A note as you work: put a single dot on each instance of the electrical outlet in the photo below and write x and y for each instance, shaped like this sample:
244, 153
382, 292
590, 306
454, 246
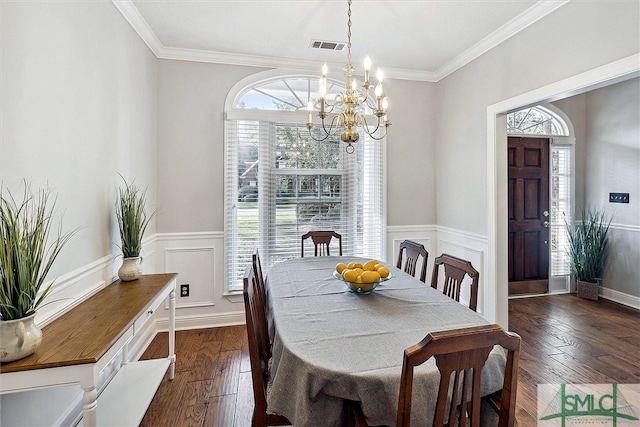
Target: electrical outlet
184, 290
618, 197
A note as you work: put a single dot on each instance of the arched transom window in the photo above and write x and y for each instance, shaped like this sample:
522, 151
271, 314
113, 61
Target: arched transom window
536, 121
286, 94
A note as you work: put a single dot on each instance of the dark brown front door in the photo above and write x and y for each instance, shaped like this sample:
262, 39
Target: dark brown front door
528, 215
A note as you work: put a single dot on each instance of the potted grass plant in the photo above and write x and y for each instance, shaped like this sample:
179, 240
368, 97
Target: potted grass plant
588, 250
133, 220
28, 248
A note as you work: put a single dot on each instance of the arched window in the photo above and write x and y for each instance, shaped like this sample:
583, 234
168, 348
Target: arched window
539, 120
536, 121
280, 183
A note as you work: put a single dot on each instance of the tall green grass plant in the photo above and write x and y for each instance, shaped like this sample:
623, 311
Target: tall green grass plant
25, 255
132, 218
589, 245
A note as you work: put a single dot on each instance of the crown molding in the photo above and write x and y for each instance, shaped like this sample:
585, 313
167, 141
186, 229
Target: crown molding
511, 28
139, 24
520, 22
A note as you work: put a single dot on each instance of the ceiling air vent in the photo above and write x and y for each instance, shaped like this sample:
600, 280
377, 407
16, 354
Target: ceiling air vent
323, 44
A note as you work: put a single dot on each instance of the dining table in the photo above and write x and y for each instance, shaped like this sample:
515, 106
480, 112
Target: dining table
331, 345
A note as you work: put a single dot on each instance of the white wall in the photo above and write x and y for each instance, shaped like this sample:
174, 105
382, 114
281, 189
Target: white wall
79, 105
613, 165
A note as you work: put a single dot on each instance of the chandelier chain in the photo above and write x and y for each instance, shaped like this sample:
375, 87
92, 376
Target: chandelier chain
349, 35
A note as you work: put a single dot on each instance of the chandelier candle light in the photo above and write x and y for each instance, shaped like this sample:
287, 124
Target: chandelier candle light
350, 100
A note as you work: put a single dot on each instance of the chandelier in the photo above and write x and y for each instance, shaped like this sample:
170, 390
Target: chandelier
346, 104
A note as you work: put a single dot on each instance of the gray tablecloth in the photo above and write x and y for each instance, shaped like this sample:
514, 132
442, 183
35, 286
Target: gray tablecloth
330, 344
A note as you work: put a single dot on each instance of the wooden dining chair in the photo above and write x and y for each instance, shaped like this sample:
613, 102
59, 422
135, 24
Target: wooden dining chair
321, 242
409, 253
463, 353
259, 352
262, 296
455, 270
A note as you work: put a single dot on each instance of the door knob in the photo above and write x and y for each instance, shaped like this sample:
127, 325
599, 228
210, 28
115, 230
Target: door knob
546, 224
545, 213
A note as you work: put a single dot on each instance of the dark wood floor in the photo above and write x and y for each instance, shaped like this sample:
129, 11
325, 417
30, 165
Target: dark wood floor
565, 339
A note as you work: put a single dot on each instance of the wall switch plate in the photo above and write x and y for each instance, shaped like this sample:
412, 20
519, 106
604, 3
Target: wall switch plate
618, 197
184, 290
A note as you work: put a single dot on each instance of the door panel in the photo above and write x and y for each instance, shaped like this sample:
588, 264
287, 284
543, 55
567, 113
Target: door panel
528, 189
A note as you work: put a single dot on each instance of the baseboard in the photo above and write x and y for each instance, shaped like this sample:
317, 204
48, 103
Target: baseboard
214, 320
620, 297
605, 293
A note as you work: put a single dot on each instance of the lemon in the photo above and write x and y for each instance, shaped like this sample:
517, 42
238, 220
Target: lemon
366, 287
354, 264
350, 275
370, 265
383, 272
370, 277
340, 267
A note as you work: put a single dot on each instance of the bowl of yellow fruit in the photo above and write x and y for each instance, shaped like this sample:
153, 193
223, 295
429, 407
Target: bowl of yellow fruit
362, 278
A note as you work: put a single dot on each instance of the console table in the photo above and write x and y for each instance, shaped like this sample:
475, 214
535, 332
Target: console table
78, 345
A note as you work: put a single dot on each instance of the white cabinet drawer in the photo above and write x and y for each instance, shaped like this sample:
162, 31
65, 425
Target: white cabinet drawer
140, 322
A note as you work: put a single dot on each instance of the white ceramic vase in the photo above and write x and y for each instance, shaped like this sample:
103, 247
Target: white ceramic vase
131, 269
18, 338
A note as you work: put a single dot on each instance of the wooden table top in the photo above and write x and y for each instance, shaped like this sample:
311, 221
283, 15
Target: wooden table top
86, 332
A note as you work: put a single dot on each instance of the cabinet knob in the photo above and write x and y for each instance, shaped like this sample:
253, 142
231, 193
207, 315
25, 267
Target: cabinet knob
150, 312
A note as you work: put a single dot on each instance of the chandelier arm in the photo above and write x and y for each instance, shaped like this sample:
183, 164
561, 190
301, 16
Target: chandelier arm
370, 102
312, 136
337, 100
334, 125
378, 138
365, 125
328, 110
336, 122
372, 133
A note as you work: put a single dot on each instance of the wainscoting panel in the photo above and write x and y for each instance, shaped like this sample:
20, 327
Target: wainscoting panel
198, 258
197, 272
621, 282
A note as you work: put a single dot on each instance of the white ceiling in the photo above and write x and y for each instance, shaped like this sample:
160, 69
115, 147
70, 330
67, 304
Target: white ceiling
415, 39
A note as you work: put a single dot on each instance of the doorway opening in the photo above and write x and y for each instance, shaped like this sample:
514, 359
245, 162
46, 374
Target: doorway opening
495, 296
540, 198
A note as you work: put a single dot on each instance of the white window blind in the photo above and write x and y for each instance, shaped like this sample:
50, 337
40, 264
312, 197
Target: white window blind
280, 184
